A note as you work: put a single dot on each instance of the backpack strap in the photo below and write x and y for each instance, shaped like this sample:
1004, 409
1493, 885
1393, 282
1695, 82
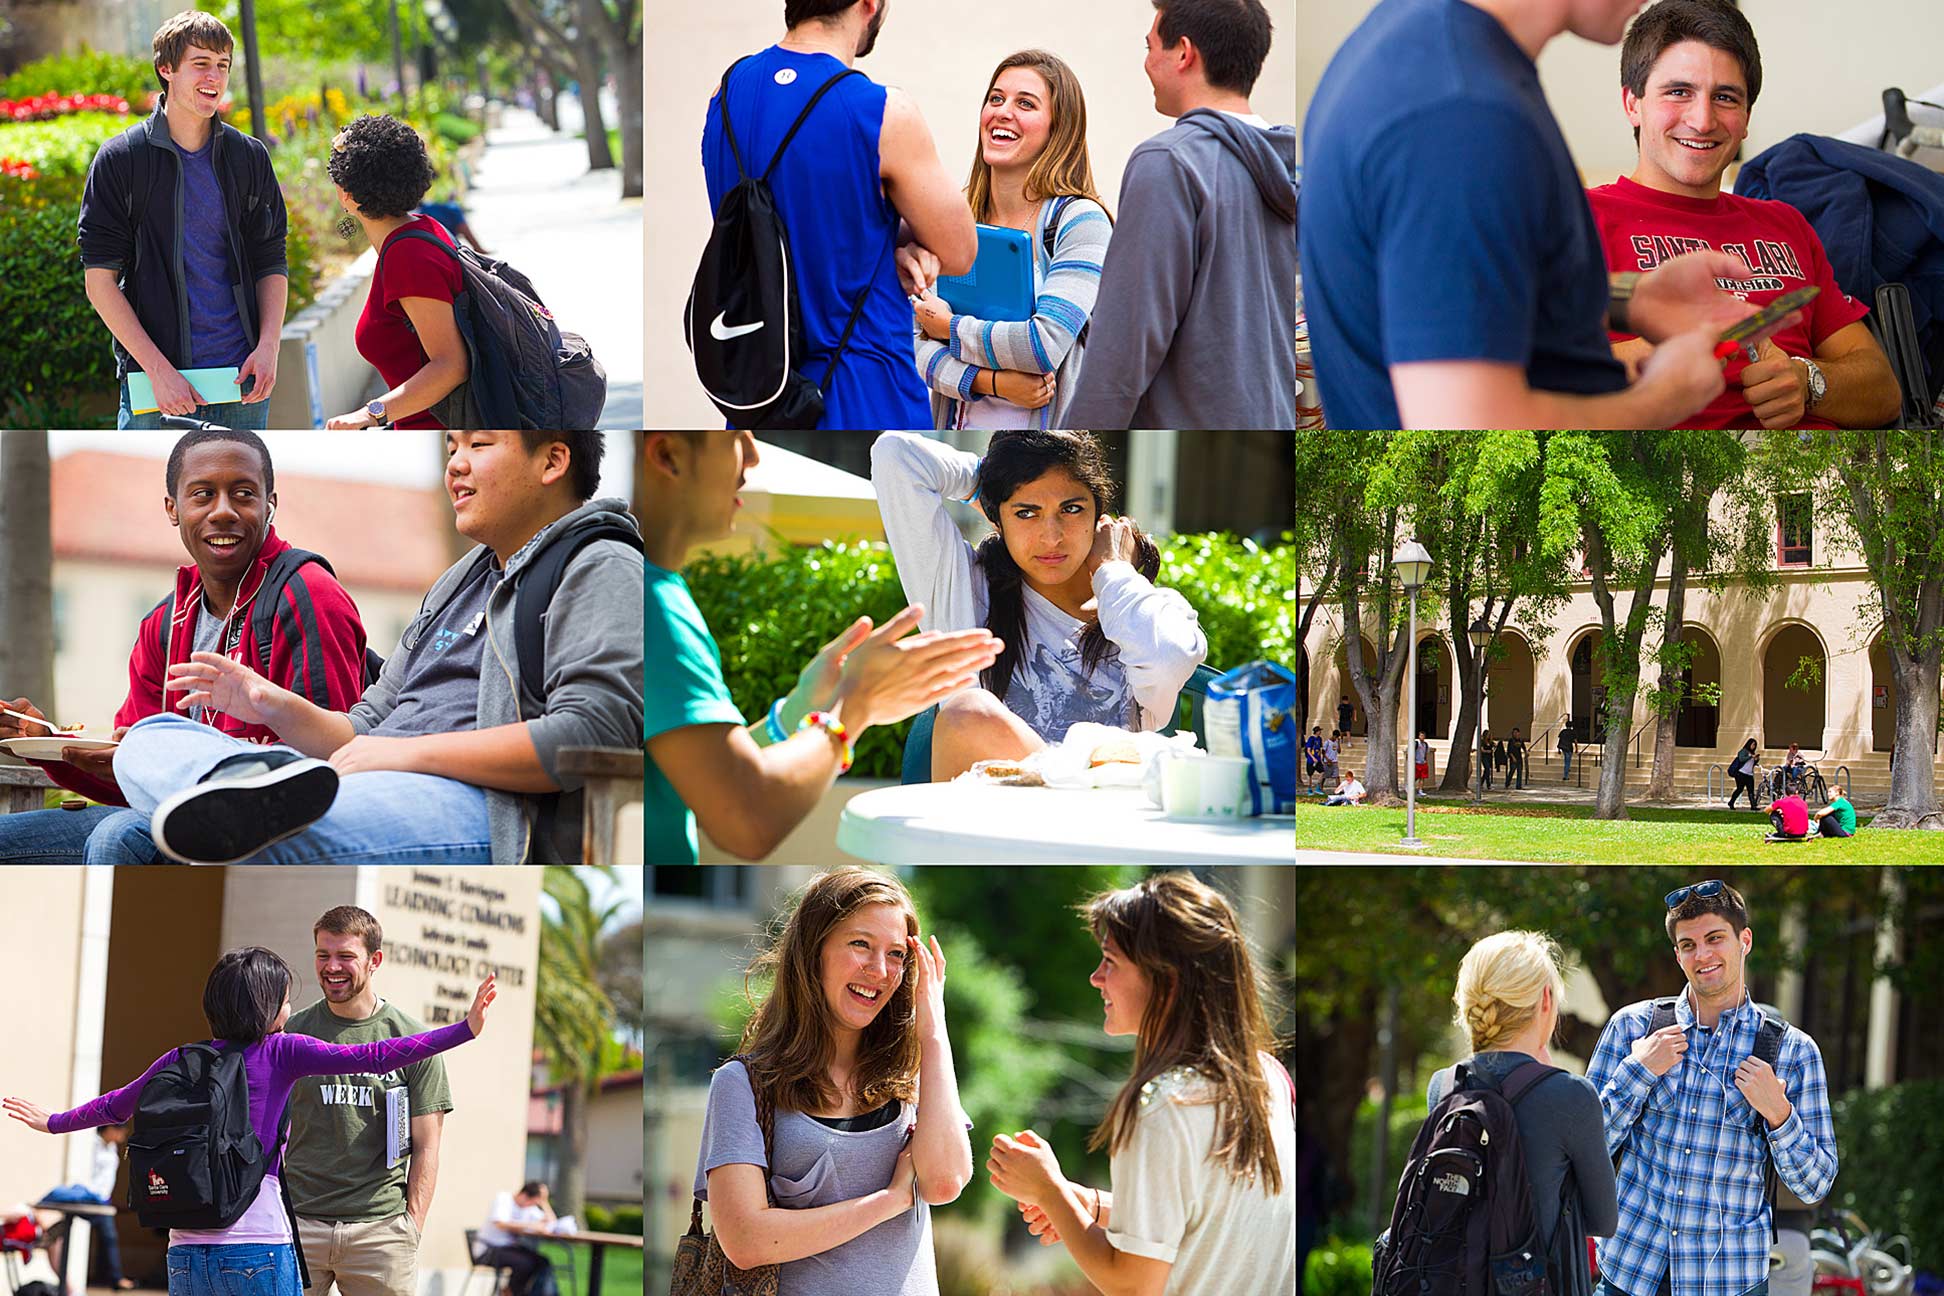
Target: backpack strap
269, 608
1663, 1015
1768, 1047
795, 126
1049, 235
138, 179
538, 584
283, 1184
417, 235
1522, 1078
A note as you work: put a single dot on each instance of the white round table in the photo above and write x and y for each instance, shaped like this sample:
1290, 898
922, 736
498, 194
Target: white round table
956, 823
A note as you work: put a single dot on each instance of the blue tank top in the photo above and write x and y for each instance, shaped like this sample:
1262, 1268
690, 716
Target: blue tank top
841, 227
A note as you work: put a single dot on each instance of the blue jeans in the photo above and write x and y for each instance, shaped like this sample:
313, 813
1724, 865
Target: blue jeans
231, 414
383, 817
96, 835
248, 1269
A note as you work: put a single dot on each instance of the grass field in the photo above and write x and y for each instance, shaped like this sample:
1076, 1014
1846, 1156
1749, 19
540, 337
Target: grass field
620, 1270
1570, 835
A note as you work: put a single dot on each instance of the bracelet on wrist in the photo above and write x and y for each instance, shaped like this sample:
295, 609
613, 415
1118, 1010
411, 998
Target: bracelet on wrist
774, 724
831, 725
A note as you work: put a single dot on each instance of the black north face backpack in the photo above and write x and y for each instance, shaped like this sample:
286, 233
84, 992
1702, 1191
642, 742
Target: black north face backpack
194, 1162
743, 321
1463, 1223
524, 370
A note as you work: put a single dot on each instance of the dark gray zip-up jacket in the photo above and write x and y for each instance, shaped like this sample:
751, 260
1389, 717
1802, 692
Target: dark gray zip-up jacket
148, 261
592, 672
1195, 326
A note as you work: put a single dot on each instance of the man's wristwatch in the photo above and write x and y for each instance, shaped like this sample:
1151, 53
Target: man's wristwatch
1818, 382
1620, 291
377, 411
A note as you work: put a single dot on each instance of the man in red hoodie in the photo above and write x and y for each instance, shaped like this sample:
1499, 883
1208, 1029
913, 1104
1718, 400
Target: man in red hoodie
246, 594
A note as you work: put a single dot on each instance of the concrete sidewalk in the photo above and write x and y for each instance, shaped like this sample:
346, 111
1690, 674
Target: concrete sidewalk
535, 204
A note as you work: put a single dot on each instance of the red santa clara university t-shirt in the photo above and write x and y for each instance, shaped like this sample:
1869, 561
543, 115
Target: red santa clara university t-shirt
411, 268
1642, 227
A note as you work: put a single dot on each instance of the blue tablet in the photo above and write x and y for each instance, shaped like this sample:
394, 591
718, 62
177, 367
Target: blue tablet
999, 286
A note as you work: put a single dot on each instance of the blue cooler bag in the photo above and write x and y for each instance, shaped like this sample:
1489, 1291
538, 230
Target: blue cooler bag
1250, 712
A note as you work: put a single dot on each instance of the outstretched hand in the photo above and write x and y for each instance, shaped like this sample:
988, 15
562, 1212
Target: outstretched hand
223, 684
27, 1113
1024, 1168
482, 999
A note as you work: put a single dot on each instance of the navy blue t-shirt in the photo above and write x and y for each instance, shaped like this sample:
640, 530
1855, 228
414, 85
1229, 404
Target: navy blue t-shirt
216, 336
1442, 218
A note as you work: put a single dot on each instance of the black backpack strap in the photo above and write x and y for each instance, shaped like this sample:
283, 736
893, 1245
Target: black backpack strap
269, 607
796, 125
857, 313
138, 180
1662, 1016
1768, 1047
722, 98
283, 1183
422, 236
538, 584
1522, 1078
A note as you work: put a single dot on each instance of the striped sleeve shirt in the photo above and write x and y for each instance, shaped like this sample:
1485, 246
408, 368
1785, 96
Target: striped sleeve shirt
1693, 1180
1067, 287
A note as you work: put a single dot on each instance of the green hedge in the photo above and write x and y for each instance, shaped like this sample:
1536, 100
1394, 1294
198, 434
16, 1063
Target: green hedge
85, 72
1337, 1269
454, 129
64, 146
56, 346
1889, 1172
771, 615
626, 1219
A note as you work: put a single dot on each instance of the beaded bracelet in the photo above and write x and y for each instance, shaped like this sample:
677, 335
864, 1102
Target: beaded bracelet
831, 725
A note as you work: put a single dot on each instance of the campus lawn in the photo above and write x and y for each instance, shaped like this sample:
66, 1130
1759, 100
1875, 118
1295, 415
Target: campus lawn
1570, 835
620, 1269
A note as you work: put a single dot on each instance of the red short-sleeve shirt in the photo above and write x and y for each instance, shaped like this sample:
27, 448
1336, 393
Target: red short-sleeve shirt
411, 268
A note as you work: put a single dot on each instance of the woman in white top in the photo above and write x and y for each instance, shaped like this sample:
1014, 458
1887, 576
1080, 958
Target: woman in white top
1202, 1137
1069, 591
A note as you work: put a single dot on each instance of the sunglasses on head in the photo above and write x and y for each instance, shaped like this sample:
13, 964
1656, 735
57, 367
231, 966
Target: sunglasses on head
1712, 887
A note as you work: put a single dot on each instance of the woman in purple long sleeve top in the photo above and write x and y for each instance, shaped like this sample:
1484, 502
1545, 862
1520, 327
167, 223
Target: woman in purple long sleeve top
246, 1002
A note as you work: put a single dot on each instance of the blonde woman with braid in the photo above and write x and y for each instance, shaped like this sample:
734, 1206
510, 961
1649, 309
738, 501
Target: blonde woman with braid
1509, 996
1201, 1139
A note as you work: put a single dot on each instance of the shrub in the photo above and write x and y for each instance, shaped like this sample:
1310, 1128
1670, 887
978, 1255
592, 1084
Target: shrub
454, 130
56, 346
85, 72
598, 1218
1888, 1174
63, 146
625, 1219
771, 615
1337, 1269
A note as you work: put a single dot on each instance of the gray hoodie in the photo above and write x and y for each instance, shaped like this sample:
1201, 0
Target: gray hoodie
593, 674
1195, 326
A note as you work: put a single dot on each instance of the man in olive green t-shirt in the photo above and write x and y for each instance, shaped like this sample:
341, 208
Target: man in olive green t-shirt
364, 1149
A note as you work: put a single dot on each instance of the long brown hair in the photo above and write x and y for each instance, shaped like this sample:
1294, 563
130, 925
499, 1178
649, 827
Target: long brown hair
791, 1036
1063, 166
1204, 1010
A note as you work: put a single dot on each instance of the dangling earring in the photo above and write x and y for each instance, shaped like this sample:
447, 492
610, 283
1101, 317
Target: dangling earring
346, 227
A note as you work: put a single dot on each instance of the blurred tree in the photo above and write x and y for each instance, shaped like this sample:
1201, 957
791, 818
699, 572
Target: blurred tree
573, 1017
26, 569
620, 968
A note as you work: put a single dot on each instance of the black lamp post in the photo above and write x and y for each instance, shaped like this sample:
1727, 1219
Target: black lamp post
1413, 567
1480, 634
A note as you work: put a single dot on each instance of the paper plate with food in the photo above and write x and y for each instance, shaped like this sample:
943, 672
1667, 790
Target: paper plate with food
1089, 756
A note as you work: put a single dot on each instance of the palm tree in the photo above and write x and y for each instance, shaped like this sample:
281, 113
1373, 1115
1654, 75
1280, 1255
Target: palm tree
26, 569
573, 1016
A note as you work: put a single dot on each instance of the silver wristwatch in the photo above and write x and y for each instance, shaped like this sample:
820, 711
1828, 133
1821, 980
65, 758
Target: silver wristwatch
1818, 384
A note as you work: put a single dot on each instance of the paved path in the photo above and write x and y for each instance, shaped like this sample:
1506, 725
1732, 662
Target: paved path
1350, 857
535, 203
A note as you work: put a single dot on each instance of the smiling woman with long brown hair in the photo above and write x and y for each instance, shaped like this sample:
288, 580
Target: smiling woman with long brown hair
837, 1125
1201, 1138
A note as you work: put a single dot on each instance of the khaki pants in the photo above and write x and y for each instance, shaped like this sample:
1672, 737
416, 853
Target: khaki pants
364, 1258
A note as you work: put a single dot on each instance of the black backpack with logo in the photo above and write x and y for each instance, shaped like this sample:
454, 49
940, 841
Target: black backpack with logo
1463, 1222
744, 319
524, 370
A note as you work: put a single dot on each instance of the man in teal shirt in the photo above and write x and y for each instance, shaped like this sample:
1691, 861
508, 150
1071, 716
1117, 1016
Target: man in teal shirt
749, 788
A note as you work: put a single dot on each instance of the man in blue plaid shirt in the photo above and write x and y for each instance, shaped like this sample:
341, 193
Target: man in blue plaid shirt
1696, 1118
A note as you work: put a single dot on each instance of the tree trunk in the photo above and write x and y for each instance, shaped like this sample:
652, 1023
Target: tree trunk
587, 70
26, 569
1660, 784
1610, 802
546, 94
1459, 762
1913, 783
567, 1194
1333, 1064
624, 56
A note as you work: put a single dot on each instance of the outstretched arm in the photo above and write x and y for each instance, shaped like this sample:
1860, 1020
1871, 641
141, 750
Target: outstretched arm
1025, 1169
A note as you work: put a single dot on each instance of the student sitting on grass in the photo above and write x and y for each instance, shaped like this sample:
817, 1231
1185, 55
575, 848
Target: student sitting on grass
1349, 791
1790, 815
453, 755
1838, 819
303, 634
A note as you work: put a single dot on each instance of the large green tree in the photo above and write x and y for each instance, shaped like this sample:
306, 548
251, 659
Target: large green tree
573, 1018
26, 569
1883, 492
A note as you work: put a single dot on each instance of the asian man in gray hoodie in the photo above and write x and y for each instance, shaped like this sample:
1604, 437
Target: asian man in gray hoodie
527, 646
1195, 326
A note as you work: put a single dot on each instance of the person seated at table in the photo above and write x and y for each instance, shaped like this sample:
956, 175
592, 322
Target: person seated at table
221, 497
1349, 792
750, 788
1789, 817
98, 1188
1067, 588
513, 1249
1837, 819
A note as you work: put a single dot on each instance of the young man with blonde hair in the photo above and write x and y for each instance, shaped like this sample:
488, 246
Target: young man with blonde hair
364, 1149
182, 240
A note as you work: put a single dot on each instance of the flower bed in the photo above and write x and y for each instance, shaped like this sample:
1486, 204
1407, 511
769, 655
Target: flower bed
61, 146
48, 106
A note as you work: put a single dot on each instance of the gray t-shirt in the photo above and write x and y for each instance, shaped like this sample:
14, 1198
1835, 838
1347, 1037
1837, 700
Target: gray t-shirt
819, 1166
1561, 1129
207, 636
441, 694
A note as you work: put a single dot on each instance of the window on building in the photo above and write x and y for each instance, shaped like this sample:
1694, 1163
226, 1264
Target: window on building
1794, 531
718, 888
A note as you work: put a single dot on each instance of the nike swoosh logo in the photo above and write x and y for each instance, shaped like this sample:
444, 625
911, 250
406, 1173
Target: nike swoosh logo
721, 332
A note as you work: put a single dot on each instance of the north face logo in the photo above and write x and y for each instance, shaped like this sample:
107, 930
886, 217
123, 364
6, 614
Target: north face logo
158, 1187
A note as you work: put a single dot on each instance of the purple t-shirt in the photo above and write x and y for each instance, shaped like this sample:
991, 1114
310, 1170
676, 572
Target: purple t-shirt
272, 1065
216, 336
